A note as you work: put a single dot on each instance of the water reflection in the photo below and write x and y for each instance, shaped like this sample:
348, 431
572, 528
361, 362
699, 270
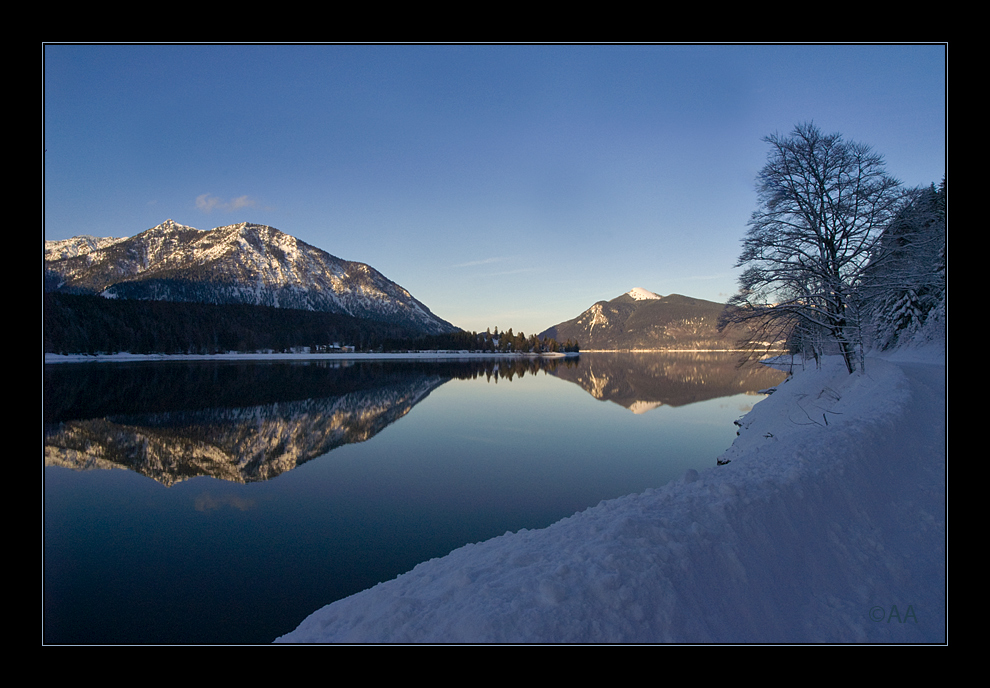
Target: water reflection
643, 381
241, 559
250, 422
240, 422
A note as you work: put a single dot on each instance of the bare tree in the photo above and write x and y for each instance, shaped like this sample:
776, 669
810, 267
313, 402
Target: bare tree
823, 203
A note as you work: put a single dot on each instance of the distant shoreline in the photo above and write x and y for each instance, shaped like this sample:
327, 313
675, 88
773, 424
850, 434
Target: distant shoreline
349, 356
355, 356
673, 351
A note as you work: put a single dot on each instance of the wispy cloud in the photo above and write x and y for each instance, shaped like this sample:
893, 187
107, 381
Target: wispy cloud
496, 273
208, 203
483, 261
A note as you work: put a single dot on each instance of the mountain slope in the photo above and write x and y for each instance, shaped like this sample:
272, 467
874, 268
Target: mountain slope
640, 319
242, 263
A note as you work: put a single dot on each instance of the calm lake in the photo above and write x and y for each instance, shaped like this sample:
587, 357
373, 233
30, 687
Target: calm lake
223, 502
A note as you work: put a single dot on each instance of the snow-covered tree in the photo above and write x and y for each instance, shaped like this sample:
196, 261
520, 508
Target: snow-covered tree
823, 204
906, 280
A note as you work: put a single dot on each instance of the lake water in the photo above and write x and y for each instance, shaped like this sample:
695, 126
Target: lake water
221, 502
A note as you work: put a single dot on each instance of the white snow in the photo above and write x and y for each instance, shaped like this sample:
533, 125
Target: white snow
827, 526
77, 246
641, 294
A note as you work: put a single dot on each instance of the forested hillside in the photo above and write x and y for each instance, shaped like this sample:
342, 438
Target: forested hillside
92, 324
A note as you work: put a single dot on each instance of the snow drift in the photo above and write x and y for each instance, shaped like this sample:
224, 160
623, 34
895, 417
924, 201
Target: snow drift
826, 526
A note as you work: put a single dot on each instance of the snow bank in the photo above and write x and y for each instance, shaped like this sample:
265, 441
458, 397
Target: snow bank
827, 525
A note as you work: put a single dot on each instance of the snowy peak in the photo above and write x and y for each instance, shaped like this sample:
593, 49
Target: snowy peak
171, 224
77, 246
640, 294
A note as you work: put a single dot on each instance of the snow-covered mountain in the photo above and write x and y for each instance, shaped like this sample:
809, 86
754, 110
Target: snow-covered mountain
641, 319
241, 263
78, 245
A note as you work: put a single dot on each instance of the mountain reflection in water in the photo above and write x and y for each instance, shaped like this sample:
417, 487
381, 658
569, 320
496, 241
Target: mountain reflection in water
640, 381
224, 554
248, 422
243, 422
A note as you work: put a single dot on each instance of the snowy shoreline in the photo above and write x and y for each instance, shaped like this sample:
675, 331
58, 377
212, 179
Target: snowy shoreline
827, 525
349, 356
352, 356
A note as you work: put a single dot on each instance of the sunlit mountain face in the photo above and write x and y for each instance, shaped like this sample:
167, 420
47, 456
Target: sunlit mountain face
643, 320
237, 264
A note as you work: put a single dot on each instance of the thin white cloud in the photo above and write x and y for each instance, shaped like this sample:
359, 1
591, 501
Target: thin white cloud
489, 261
208, 203
242, 202
472, 263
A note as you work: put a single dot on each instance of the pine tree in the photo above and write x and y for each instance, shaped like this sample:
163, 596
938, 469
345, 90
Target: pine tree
906, 281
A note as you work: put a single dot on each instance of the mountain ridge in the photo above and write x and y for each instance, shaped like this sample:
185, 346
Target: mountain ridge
243, 263
643, 320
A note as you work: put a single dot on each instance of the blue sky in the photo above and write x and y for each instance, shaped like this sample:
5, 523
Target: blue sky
508, 186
